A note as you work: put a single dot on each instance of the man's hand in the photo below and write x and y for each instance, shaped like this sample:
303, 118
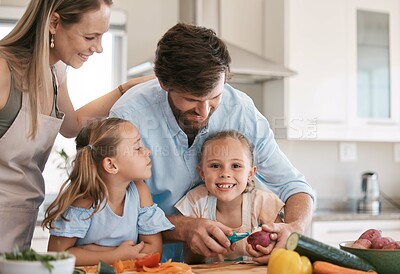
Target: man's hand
208, 238
204, 237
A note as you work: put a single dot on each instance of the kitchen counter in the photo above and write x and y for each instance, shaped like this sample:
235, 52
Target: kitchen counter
228, 267
331, 215
346, 209
215, 268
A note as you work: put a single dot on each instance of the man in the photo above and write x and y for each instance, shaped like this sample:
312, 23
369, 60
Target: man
174, 114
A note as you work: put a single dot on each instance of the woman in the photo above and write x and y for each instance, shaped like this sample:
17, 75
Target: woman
34, 101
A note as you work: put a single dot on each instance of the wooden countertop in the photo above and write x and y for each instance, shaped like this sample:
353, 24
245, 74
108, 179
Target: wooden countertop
217, 268
229, 267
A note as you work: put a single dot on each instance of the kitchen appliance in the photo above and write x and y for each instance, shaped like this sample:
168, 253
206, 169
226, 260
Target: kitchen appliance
370, 201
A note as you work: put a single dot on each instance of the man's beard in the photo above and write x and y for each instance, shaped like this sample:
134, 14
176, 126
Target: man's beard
190, 127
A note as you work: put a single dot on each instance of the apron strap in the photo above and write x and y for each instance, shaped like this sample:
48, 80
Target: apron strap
55, 88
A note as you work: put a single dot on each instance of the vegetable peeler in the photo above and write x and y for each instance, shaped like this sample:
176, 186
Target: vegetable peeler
238, 236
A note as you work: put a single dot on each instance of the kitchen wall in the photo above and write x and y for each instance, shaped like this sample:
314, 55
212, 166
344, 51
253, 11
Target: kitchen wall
318, 160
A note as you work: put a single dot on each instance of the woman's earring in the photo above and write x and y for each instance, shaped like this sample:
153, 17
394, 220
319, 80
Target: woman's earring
52, 41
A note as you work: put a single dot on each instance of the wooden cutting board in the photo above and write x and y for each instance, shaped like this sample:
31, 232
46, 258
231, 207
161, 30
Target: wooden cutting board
228, 267
217, 268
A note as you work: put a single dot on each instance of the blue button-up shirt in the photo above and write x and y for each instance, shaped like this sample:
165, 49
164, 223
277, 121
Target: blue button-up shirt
174, 162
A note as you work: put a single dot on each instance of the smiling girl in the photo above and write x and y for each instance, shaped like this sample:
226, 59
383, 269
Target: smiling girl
229, 195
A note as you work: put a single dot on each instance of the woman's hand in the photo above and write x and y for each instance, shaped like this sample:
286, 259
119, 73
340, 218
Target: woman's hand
133, 82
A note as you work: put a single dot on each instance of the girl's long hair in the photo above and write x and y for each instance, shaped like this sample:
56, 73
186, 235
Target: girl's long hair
27, 47
99, 139
236, 135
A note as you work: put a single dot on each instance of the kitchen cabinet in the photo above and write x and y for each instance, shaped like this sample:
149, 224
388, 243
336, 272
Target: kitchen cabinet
247, 31
222, 16
40, 239
335, 232
346, 54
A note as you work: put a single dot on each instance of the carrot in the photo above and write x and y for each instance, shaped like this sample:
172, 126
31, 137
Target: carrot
158, 268
129, 264
168, 267
89, 269
321, 267
119, 266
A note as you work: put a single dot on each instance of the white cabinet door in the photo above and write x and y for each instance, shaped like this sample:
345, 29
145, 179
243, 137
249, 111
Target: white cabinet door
377, 127
321, 45
241, 23
335, 232
315, 47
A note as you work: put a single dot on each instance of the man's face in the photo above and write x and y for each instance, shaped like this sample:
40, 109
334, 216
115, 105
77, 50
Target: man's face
193, 112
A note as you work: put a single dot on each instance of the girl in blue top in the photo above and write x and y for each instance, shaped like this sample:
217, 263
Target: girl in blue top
104, 211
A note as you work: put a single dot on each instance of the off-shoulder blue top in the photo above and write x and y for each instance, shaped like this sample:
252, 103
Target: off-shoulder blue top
109, 229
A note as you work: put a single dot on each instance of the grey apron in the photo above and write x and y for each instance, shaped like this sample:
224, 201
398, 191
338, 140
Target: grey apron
22, 188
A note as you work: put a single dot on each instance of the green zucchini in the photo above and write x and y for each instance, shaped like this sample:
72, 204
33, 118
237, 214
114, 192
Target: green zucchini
103, 268
317, 251
79, 271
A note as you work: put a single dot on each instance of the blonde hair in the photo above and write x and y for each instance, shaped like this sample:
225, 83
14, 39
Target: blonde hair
236, 135
27, 47
99, 139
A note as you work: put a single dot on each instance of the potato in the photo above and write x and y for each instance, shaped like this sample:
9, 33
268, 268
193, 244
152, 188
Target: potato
259, 238
372, 239
379, 243
362, 244
371, 234
392, 245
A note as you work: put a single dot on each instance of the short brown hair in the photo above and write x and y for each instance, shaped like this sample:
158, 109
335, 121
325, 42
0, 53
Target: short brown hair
191, 59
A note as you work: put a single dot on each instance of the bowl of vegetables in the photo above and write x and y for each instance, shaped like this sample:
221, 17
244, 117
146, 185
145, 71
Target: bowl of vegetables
33, 262
383, 253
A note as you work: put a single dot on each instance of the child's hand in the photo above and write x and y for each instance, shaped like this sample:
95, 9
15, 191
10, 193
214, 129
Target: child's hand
128, 250
262, 254
233, 246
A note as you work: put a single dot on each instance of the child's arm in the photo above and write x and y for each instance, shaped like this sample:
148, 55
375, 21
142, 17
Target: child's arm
57, 243
153, 242
92, 254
